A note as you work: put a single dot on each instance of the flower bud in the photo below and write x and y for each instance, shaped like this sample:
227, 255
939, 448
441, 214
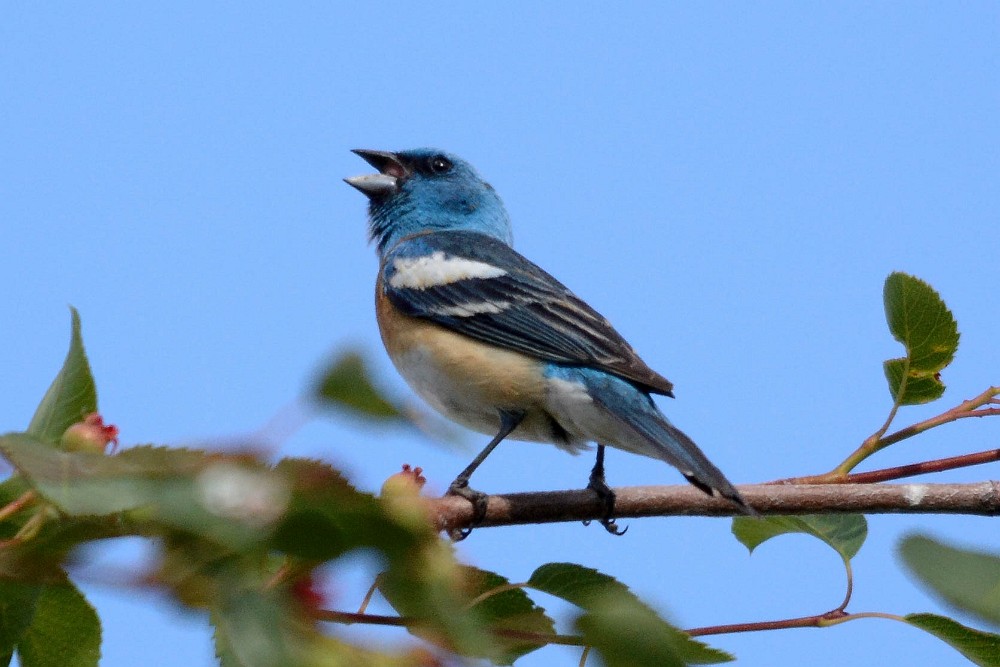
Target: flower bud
90, 435
406, 483
401, 494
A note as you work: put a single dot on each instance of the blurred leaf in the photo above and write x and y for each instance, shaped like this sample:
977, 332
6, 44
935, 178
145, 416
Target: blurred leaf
919, 319
981, 648
626, 635
845, 533
329, 652
252, 629
226, 498
260, 627
510, 609
969, 580
617, 623
72, 394
347, 384
18, 601
432, 588
327, 517
65, 631
11, 489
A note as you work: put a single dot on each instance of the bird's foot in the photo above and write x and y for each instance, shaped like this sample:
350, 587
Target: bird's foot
480, 503
607, 496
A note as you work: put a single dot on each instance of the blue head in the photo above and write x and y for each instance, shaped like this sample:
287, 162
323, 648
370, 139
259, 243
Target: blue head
427, 190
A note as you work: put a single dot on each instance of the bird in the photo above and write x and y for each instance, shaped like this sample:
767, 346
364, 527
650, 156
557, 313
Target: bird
493, 342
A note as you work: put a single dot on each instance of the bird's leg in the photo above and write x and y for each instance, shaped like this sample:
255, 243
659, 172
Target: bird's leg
599, 486
509, 420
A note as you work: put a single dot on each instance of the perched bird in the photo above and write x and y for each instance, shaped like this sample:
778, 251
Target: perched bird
495, 343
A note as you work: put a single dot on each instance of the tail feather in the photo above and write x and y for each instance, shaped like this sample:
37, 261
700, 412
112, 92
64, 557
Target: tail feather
660, 439
620, 414
709, 478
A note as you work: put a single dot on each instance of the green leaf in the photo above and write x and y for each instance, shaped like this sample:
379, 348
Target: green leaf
969, 580
919, 319
18, 601
65, 631
72, 394
626, 635
347, 384
618, 624
433, 588
575, 583
227, 499
981, 648
845, 533
920, 388
259, 624
252, 629
327, 517
509, 609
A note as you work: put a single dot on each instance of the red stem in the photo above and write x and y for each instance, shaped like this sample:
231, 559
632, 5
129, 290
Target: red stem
760, 626
924, 467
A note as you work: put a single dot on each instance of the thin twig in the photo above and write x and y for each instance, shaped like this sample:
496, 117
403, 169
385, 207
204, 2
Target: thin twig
814, 621
833, 617
924, 467
540, 638
370, 594
901, 472
879, 441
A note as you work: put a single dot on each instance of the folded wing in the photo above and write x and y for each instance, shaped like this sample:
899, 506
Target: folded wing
481, 287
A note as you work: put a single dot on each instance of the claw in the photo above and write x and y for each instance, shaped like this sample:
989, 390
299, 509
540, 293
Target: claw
604, 492
480, 504
612, 527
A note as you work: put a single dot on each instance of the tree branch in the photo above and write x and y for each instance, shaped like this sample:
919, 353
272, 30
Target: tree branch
981, 498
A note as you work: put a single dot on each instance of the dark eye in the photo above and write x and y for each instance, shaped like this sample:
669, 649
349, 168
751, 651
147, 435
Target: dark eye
439, 164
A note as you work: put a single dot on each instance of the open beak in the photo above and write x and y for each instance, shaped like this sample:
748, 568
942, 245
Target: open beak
391, 174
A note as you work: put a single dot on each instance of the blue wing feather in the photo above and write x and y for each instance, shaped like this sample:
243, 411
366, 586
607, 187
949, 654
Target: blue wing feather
523, 309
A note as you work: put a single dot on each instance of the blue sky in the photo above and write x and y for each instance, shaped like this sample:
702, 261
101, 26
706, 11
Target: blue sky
728, 183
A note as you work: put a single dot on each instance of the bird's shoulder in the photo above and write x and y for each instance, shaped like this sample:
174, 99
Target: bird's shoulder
426, 246
479, 286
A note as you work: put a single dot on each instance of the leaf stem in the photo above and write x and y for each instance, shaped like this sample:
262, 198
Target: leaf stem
15, 506
850, 585
493, 591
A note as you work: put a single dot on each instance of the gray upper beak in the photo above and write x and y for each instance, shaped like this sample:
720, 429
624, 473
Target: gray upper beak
383, 184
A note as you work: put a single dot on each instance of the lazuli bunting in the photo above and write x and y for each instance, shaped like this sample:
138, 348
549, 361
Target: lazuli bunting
495, 343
